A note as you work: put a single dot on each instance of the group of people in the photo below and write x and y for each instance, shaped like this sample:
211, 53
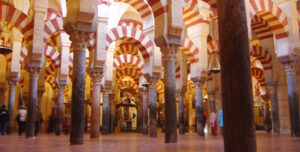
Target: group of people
213, 122
20, 118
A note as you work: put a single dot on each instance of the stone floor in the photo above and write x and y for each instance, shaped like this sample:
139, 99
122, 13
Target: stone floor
133, 142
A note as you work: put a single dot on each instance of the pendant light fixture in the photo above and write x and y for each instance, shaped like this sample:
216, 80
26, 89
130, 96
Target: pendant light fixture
214, 64
5, 45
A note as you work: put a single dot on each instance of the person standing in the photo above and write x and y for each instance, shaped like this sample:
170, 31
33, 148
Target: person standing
21, 118
213, 123
3, 118
220, 120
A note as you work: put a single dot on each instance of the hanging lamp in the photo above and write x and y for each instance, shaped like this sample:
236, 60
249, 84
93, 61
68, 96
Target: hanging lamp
5, 45
214, 64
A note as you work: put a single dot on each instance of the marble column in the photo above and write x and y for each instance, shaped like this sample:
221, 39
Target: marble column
169, 55
212, 101
199, 107
79, 40
11, 105
95, 113
139, 115
105, 112
267, 120
181, 95
111, 111
59, 109
274, 107
290, 69
237, 99
152, 107
32, 106
145, 111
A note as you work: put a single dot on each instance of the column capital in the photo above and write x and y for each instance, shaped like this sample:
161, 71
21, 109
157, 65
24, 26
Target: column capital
61, 86
199, 84
34, 71
79, 39
96, 76
12, 83
271, 87
290, 67
289, 63
152, 82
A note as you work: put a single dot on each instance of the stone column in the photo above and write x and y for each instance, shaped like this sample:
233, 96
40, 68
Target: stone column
145, 111
95, 113
79, 40
290, 69
169, 54
31, 115
105, 111
111, 113
274, 107
11, 105
181, 95
59, 109
199, 108
139, 115
267, 120
239, 130
152, 107
212, 101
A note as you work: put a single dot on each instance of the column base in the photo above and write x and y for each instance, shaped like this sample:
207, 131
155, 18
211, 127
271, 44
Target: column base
94, 136
9, 130
77, 141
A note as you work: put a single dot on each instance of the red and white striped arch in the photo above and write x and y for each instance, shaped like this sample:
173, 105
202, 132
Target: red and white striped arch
53, 54
21, 82
51, 81
52, 26
127, 84
130, 32
130, 22
213, 6
132, 72
52, 13
17, 19
263, 56
272, 14
261, 28
258, 74
127, 48
140, 5
257, 89
50, 70
191, 15
129, 59
177, 70
190, 50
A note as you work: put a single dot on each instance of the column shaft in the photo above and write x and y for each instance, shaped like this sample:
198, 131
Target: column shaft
31, 116
152, 108
170, 99
95, 113
139, 116
78, 97
239, 131
293, 97
145, 112
181, 112
11, 105
105, 113
199, 108
59, 110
